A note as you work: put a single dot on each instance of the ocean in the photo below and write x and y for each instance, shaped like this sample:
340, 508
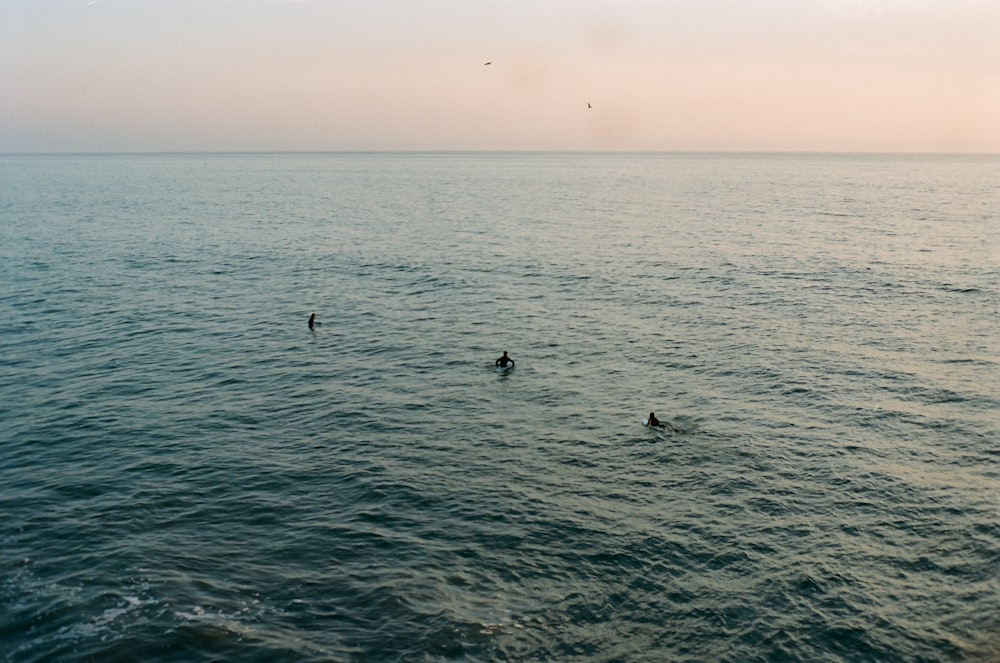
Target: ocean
188, 472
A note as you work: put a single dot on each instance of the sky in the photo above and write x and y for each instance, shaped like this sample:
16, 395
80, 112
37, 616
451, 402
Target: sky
650, 75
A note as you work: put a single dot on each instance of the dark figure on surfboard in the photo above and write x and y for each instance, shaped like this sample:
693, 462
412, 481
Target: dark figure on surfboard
653, 421
312, 321
504, 361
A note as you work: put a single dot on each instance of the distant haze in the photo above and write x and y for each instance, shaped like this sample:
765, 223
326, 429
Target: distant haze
768, 75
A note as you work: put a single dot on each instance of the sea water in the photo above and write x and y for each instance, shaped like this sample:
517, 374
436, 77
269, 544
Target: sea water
189, 472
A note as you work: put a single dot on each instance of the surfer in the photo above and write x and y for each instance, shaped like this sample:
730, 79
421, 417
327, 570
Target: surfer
653, 421
312, 321
503, 361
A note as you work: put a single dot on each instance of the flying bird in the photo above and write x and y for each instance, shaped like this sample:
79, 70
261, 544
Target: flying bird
588, 105
486, 63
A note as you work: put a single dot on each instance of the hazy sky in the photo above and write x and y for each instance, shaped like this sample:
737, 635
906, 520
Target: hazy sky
812, 75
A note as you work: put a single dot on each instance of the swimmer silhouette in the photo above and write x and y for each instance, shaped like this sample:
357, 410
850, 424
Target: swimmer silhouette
504, 360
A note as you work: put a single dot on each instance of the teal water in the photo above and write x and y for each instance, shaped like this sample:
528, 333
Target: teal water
188, 472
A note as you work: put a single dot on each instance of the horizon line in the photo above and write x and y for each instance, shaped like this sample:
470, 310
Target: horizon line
503, 151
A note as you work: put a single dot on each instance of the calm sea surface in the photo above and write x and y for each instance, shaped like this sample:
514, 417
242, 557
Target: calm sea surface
189, 473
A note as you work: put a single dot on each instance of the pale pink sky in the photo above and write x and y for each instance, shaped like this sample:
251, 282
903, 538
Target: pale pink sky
788, 75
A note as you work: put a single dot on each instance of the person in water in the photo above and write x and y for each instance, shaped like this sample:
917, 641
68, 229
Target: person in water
312, 321
503, 361
653, 421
